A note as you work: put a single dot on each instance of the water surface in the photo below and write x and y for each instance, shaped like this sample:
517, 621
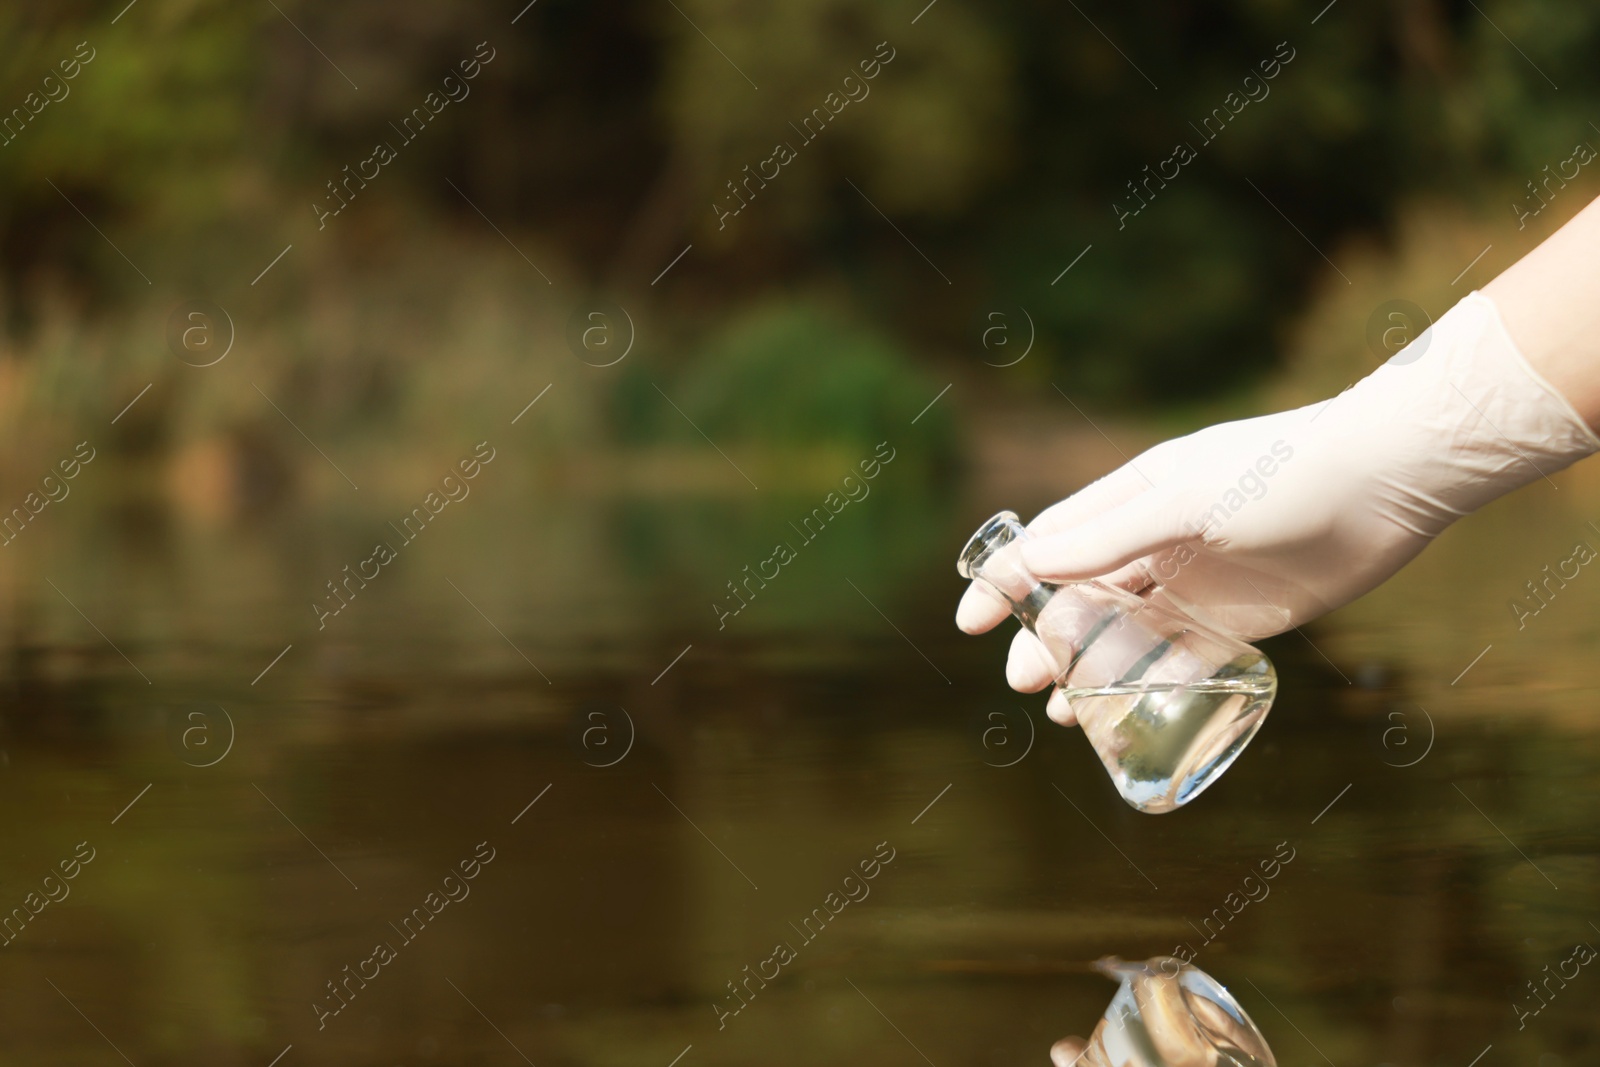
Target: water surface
667, 803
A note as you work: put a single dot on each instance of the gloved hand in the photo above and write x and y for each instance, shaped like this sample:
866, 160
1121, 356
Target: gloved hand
1259, 525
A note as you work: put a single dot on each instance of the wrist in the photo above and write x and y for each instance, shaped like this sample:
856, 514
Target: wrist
1546, 301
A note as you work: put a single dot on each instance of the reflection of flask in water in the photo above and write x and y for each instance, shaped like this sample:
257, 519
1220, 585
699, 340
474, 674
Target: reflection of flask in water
1168, 1014
1166, 702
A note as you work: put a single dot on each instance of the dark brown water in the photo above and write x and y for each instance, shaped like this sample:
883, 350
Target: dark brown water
539, 695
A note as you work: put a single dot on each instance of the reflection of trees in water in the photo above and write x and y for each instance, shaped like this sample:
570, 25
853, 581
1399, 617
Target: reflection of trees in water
616, 921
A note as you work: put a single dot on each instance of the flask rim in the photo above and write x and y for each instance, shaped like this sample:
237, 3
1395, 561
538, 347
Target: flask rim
999, 530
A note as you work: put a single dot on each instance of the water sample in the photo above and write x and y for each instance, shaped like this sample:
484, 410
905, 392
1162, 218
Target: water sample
1167, 703
1167, 1014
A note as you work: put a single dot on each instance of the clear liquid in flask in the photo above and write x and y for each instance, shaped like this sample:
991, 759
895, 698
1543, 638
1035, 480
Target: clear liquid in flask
1163, 744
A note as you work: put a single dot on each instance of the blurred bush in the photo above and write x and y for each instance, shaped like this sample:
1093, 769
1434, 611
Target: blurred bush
792, 375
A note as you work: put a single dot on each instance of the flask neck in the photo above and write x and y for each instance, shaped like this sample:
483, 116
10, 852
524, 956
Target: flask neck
1027, 602
993, 556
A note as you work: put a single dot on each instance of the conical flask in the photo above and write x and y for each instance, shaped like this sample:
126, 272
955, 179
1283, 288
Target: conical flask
1167, 702
1167, 1014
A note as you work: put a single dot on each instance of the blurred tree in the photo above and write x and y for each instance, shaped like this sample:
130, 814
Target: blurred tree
996, 141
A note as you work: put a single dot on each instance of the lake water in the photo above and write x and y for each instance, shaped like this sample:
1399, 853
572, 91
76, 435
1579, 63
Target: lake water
536, 693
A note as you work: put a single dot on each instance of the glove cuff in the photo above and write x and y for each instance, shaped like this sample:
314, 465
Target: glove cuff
1580, 429
1464, 419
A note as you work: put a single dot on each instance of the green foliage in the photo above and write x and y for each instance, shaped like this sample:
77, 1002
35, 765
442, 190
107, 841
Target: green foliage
794, 374
993, 145
930, 125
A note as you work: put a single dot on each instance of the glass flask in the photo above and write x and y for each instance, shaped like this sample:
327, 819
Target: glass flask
1167, 703
1167, 1014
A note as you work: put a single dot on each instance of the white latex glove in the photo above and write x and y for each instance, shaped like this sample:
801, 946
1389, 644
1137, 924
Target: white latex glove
1257, 526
